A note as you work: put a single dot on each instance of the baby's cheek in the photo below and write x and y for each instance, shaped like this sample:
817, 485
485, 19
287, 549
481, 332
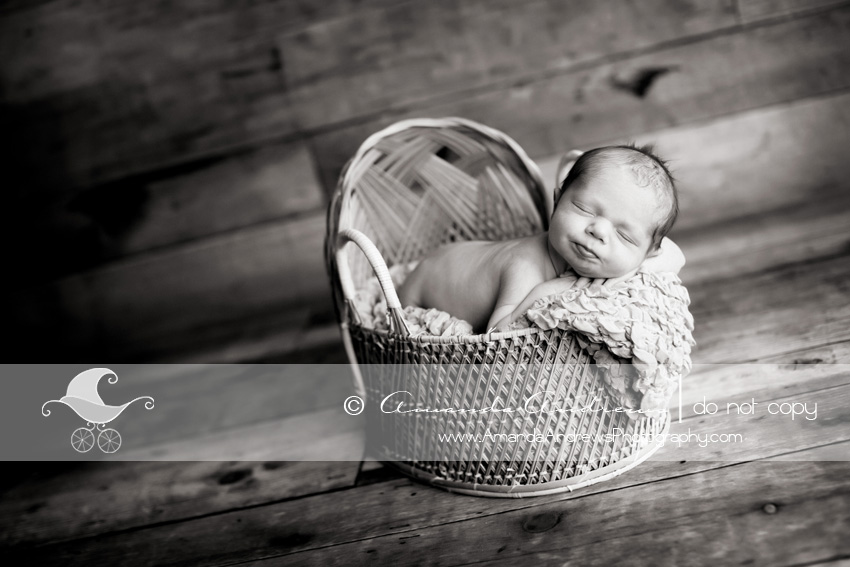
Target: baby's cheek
635, 262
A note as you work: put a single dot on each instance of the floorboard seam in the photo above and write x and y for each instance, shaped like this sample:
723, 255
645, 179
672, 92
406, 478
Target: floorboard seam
513, 510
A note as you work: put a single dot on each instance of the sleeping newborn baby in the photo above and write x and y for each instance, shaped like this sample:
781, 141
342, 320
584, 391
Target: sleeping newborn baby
612, 214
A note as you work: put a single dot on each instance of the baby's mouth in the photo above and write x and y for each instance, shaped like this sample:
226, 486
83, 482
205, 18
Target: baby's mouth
585, 252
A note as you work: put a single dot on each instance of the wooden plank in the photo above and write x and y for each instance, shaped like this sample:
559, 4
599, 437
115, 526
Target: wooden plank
438, 48
836, 563
755, 10
693, 519
279, 342
402, 508
787, 309
193, 95
208, 78
166, 301
292, 14
672, 523
750, 164
209, 474
107, 91
216, 196
15, 5
776, 63
757, 242
163, 208
101, 497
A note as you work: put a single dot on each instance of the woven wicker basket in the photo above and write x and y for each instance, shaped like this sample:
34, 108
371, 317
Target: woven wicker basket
409, 189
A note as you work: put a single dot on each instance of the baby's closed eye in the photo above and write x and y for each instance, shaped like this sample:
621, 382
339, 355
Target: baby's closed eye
626, 237
583, 208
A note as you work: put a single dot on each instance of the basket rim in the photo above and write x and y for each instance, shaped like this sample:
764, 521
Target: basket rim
479, 338
347, 178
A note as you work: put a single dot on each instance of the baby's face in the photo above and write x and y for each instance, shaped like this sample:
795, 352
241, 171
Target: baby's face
603, 224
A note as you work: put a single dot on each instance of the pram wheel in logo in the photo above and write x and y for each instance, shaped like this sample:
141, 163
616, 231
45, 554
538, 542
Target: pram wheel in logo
82, 397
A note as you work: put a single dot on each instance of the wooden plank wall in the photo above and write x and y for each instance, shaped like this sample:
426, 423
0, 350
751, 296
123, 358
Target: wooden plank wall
170, 164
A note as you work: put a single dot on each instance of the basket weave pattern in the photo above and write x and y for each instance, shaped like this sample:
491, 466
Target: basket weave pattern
409, 189
503, 373
422, 187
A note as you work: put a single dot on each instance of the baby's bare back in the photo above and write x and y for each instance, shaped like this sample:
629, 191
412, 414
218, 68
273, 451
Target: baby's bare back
469, 279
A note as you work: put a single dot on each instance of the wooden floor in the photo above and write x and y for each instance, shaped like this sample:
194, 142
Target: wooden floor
766, 287
768, 249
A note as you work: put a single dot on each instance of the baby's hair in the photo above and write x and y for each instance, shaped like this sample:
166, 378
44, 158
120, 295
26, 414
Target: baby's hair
649, 171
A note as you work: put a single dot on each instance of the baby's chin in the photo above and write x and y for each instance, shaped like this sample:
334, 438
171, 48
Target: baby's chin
598, 274
592, 274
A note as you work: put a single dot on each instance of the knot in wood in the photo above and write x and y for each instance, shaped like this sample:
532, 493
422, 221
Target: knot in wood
541, 522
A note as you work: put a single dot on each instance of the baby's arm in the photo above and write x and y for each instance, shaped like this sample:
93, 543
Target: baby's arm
516, 281
669, 259
558, 285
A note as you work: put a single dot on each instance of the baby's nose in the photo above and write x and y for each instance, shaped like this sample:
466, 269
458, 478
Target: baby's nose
599, 230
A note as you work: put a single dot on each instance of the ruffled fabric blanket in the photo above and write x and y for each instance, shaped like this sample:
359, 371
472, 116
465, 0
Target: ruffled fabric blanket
639, 332
372, 308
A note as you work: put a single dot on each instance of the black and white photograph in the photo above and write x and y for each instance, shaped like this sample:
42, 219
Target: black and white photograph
429, 283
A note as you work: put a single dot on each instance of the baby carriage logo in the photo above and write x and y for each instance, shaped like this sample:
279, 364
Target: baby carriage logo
82, 397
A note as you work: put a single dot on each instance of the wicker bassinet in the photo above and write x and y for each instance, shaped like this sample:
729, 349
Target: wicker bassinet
408, 189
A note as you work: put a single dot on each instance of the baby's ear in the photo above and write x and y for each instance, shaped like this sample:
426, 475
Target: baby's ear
566, 163
653, 252
556, 196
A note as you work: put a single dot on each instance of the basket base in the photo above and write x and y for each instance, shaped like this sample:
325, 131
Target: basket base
526, 490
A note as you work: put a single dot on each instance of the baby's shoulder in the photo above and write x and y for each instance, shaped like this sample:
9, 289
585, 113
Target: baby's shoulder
531, 249
529, 254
